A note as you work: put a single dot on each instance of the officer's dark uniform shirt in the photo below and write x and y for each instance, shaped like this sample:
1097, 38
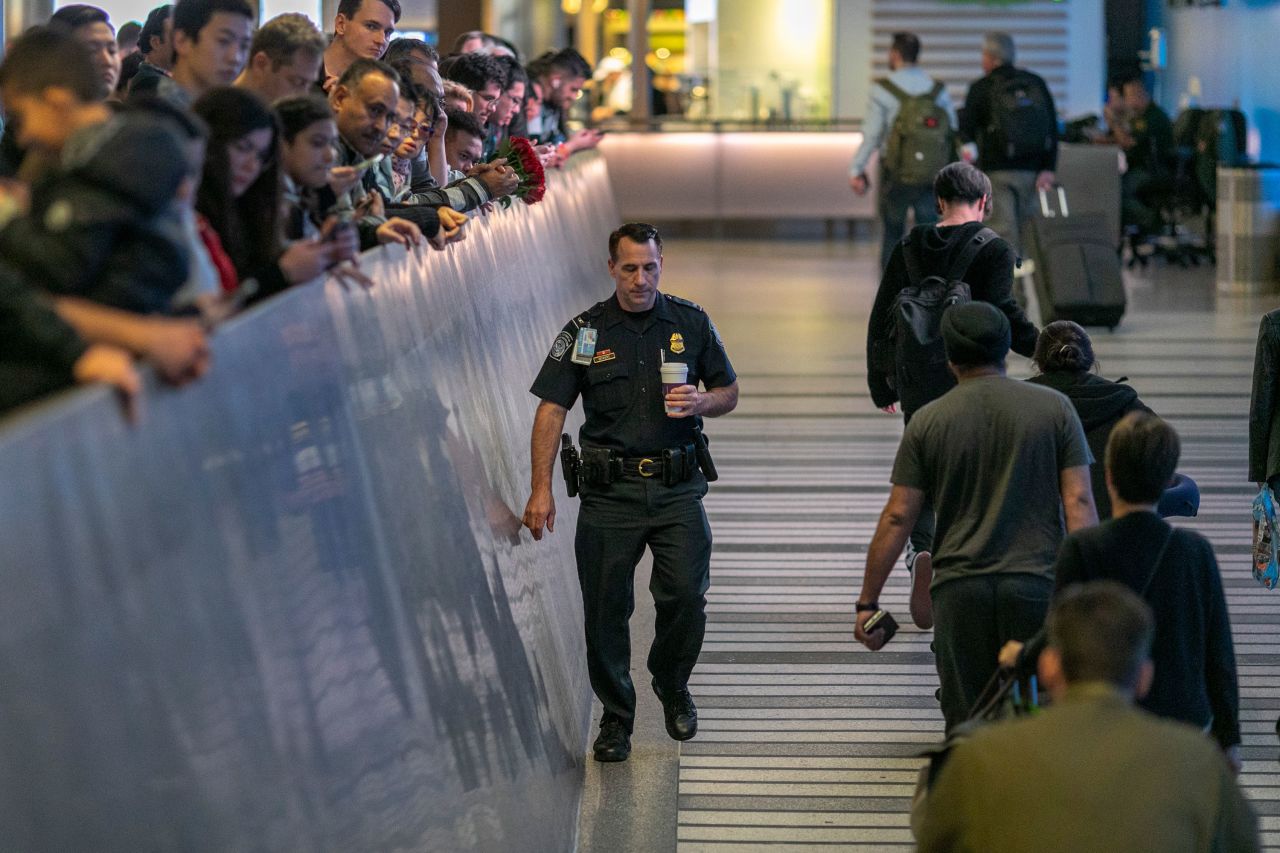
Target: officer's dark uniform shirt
622, 389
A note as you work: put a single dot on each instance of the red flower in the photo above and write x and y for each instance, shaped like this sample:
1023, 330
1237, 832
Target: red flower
520, 155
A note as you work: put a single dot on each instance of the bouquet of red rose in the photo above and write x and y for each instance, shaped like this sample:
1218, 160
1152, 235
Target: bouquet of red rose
520, 156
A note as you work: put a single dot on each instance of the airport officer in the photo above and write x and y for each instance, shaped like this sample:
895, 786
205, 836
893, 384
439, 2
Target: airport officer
642, 477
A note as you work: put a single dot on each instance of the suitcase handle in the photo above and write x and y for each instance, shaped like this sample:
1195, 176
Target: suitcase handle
1062, 204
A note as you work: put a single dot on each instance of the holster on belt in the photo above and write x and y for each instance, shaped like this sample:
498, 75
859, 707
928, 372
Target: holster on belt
600, 466
571, 465
704, 455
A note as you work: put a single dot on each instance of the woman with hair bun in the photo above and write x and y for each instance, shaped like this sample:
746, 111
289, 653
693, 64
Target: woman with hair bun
1064, 360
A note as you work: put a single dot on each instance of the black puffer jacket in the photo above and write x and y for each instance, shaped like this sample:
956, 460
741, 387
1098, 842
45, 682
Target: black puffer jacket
1100, 403
101, 227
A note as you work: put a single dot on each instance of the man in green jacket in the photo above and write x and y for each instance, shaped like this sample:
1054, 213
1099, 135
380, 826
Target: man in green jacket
1091, 773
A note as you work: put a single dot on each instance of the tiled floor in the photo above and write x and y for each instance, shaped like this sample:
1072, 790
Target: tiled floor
807, 741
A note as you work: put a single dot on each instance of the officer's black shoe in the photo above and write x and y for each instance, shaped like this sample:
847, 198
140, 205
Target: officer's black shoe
614, 741
680, 712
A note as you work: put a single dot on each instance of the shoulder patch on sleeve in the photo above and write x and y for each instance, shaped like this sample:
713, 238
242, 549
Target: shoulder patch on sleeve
560, 346
685, 302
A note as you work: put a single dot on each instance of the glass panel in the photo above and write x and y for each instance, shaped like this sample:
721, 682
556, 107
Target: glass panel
771, 60
743, 60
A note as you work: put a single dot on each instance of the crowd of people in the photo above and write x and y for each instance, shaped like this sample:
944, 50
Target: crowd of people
156, 180
1008, 127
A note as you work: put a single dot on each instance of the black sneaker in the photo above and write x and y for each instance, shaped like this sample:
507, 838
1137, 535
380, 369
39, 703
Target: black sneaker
614, 741
680, 712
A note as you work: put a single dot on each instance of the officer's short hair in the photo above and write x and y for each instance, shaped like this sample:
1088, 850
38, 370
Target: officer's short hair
1142, 453
961, 182
1103, 632
282, 37
907, 45
636, 232
999, 46
44, 58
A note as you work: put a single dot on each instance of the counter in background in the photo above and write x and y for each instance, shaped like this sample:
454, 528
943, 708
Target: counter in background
786, 175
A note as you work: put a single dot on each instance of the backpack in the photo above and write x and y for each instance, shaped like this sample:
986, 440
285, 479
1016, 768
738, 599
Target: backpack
920, 360
1023, 125
920, 141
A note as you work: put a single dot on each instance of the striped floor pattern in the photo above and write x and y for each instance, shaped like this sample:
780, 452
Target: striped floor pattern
807, 741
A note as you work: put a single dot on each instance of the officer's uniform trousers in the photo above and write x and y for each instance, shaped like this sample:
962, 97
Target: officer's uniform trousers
615, 523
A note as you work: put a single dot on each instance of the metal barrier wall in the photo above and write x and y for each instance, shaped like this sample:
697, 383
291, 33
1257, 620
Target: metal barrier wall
293, 608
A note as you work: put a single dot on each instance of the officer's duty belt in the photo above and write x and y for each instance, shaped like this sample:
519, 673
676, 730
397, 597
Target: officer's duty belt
643, 466
672, 466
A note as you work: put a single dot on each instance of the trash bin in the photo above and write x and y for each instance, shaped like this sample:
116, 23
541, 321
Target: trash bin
1248, 229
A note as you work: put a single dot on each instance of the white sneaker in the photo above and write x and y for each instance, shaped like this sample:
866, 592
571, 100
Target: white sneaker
920, 565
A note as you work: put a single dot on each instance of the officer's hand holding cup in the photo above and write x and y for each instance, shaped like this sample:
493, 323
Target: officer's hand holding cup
679, 398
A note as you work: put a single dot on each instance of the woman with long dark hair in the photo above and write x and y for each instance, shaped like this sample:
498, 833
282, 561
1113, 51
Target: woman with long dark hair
240, 194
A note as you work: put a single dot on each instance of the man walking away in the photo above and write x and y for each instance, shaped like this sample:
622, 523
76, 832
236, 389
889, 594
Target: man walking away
1001, 461
1092, 772
957, 248
911, 122
1011, 117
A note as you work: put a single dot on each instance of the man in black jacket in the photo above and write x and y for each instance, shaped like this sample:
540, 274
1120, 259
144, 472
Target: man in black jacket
1264, 405
101, 223
963, 194
1010, 115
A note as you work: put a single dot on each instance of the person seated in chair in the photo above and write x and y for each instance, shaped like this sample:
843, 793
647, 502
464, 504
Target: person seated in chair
1148, 146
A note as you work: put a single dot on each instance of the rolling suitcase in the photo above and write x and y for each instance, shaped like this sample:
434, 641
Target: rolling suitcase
1077, 270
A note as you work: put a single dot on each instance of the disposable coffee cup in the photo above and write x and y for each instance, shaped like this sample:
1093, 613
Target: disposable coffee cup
674, 374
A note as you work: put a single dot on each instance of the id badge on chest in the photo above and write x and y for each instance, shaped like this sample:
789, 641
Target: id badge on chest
584, 348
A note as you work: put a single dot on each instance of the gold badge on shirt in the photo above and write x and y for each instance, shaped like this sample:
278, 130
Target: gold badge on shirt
677, 343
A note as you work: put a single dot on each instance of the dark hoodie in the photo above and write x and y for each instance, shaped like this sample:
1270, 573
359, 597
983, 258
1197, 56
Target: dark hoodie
1100, 403
102, 226
990, 279
37, 349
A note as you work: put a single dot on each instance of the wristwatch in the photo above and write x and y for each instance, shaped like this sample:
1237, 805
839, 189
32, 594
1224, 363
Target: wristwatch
861, 607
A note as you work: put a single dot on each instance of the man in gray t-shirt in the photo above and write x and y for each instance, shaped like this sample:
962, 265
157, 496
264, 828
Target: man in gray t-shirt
1000, 460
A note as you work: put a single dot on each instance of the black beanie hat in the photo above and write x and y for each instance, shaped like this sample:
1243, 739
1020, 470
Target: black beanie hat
975, 333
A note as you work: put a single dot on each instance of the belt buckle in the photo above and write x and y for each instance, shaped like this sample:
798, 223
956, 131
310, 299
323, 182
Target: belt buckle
640, 468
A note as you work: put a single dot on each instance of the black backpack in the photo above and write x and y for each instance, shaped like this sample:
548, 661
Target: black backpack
1023, 125
920, 360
